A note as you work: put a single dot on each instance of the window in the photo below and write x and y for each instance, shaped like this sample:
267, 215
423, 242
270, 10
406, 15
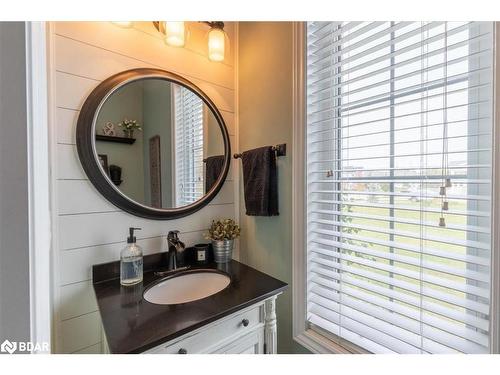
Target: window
399, 164
188, 118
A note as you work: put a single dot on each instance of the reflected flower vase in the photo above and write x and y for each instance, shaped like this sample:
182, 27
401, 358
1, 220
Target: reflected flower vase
223, 250
128, 133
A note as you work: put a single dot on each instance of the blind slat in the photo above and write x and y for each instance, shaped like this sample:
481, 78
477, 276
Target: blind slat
397, 207
402, 220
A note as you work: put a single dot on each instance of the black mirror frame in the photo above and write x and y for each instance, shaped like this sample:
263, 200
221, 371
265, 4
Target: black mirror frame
85, 141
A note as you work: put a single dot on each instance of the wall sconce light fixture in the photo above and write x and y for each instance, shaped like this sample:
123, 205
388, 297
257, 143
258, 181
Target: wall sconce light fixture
176, 34
216, 41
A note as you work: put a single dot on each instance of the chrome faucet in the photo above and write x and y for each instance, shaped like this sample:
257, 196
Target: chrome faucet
175, 251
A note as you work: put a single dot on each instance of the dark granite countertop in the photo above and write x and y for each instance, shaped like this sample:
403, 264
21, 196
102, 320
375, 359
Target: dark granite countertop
133, 325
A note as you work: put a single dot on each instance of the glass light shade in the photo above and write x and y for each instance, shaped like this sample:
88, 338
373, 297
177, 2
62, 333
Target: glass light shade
175, 33
124, 24
216, 44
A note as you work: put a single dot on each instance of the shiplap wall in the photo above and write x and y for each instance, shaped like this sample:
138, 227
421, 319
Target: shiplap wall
87, 228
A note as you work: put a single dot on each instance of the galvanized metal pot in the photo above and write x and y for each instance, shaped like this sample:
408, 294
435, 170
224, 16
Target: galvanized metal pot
223, 250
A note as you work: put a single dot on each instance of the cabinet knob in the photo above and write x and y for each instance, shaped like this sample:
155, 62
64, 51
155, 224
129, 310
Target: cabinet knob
182, 351
245, 322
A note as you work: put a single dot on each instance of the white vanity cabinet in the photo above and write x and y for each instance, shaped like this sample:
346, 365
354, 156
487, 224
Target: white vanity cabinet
251, 330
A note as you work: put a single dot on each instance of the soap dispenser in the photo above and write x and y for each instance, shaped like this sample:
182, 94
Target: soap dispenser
131, 261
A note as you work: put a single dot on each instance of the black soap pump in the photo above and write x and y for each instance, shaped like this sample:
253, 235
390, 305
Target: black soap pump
131, 261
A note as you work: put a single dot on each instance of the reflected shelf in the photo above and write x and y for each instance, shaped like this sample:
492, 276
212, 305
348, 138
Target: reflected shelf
109, 138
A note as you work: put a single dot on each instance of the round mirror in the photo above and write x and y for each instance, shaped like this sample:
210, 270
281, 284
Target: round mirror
153, 143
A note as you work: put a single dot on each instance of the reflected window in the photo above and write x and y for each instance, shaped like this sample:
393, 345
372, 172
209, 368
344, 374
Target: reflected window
188, 118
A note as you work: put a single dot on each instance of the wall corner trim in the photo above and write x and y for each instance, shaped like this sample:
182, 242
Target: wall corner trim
299, 261
38, 184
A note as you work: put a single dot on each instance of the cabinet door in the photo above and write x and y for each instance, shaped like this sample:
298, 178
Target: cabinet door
251, 343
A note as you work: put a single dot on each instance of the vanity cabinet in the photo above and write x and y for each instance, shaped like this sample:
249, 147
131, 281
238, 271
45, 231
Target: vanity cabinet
251, 330
241, 318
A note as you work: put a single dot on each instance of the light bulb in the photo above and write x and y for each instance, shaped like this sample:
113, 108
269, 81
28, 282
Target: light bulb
175, 33
124, 24
216, 42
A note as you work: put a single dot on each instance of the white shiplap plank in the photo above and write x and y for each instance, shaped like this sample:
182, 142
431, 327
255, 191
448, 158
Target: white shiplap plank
110, 62
66, 125
76, 264
229, 120
80, 196
89, 200
141, 46
80, 332
69, 166
109, 227
222, 97
225, 195
72, 90
77, 299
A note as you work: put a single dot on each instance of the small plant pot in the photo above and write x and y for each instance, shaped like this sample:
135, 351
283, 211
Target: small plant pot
223, 250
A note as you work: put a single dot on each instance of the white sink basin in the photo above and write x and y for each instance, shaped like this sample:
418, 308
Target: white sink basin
186, 287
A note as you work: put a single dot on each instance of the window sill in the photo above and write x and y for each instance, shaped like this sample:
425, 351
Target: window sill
319, 344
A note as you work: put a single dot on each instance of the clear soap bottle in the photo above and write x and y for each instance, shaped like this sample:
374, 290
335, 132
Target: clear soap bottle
131, 261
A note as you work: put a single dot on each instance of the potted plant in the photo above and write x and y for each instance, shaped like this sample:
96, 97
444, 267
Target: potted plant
222, 234
129, 126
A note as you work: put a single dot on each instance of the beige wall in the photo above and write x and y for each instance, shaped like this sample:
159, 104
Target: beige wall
265, 118
87, 228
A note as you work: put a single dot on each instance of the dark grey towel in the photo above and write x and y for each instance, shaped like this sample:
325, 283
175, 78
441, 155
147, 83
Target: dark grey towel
260, 182
214, 166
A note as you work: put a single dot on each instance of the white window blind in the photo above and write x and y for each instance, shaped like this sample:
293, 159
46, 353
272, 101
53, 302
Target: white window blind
188, 115
399, 153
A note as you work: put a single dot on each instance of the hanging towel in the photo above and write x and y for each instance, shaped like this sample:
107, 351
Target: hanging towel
260, 182
214, 166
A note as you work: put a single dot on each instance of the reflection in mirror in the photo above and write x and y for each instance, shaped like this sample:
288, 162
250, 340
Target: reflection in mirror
159, 143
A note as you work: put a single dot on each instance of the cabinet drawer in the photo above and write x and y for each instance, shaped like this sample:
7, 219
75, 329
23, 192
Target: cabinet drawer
216, 334
250, 343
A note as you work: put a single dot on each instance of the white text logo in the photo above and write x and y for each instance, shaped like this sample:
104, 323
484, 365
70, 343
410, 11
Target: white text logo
8, 346
22, 346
